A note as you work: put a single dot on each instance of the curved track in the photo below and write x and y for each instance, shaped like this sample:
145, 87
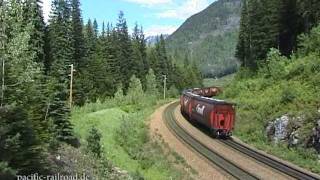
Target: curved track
225, 164
215, 158
271, 162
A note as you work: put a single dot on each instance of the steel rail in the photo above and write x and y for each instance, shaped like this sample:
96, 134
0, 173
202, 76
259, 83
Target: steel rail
212, 156
271, 162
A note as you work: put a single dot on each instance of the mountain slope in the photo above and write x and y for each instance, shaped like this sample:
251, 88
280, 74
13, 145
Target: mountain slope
209, 38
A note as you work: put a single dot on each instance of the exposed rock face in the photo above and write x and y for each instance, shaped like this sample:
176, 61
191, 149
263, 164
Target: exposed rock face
280, 128
287, 129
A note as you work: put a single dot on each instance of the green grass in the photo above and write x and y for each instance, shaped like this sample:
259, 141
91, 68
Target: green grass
125, 137
107, 121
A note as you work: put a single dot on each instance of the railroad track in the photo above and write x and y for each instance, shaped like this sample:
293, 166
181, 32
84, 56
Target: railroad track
271, 162
228, 166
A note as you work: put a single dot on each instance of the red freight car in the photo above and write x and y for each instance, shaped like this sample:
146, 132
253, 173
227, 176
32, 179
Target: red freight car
185, 103
217, 115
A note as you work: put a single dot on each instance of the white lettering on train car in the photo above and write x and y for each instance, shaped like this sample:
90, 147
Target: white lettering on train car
200, 109
186, 100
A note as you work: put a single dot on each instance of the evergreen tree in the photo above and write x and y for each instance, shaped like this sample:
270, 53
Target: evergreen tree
135, 92
124, 50
77, 36
33, 14
19, 146
309, 10
271, 24
93, 141
23, 71
95, 28
61, 52
151, 84
137, 54
79, 51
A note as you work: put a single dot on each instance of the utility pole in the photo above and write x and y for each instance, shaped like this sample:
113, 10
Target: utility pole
2, 86
164, 86
71, 83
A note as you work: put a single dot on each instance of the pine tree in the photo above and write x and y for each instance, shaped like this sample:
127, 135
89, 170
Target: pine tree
309, 10
143, 51
33, 14
124, 50
93, 141
244, 43
61, 52
137, 55
79, 52
77, 36
18, 143
151, 84
161, 65
95, 28
135, 92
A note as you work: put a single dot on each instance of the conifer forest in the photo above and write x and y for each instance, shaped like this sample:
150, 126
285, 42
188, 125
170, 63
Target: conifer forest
36, 59
59, 78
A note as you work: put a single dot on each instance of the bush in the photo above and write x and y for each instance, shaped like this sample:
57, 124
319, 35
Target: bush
6, 172
93, 142
173, 92
135, 91
275, 65
310, 43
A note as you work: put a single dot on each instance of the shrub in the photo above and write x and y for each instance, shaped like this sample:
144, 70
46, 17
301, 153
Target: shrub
276, 65
135, 91
93, 141
173, 92
310, 43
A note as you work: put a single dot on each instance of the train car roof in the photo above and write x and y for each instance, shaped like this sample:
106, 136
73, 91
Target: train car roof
207, 100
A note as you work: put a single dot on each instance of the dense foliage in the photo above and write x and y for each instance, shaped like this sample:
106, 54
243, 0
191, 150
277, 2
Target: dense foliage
35, 76
125, 139
283, 86
273, 24
209, 38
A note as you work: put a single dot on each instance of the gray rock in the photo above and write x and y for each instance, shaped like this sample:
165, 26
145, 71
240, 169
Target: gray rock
270, 130
280, 125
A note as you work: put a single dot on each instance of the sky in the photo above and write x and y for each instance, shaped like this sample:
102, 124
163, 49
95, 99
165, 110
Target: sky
155, 16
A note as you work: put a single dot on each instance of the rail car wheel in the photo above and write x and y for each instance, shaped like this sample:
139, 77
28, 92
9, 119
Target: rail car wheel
214, 133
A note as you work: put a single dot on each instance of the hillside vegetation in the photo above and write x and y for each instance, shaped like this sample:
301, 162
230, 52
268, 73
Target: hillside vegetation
35, 102
282, 86
277, 88
209, 38
125, 141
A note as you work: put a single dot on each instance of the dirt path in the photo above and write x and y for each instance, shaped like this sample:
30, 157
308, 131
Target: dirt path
205, 170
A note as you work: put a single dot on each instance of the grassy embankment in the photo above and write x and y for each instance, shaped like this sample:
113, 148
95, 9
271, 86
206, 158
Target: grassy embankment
283, 86
125, 139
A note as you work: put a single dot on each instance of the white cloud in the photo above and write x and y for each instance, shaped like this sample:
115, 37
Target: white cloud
150, 2
157, 30
46, 8
185, 10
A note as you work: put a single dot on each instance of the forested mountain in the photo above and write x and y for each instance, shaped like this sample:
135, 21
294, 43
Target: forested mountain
35, 101
209, 38
152, 40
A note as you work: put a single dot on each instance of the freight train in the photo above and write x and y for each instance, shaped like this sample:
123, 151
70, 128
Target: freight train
217, 115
